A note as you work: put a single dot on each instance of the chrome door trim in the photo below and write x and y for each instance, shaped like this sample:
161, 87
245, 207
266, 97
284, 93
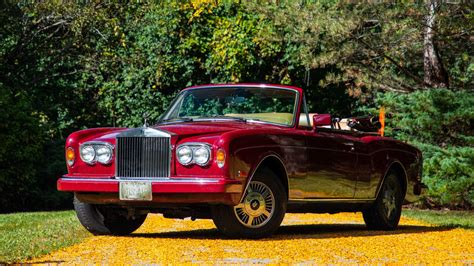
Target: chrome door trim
335, 200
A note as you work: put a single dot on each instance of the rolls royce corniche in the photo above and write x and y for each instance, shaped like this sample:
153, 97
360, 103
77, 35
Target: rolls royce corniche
242, 155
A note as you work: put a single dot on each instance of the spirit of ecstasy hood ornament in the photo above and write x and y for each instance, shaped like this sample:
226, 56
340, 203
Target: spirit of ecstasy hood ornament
145, 117
145, 130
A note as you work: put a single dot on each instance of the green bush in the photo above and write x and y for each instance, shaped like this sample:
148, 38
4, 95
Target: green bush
440, 123
25, 155
449, 174
21, 143
438, 116
67, 66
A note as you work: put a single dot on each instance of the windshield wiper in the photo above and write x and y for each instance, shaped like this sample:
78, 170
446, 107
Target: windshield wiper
224, 117
253, 119
189, 119
177, 119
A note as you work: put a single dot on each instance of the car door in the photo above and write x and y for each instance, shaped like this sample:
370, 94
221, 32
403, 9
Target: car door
332, 164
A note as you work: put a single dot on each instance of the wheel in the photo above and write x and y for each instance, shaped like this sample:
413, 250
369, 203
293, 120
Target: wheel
101, 220
259, 214
385, 213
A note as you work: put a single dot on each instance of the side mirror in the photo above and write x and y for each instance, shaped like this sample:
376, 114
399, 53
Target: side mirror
322, 120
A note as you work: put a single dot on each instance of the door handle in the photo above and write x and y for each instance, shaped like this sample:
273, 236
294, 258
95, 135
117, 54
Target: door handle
350, 144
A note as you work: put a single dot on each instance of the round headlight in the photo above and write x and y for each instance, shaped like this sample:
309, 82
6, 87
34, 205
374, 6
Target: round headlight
184, 155
103, 154
88, 154
201, 155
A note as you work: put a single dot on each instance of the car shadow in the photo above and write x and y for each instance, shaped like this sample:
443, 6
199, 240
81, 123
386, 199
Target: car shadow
285, 232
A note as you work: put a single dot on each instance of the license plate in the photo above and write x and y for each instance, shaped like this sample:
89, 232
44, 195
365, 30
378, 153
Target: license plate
135, 190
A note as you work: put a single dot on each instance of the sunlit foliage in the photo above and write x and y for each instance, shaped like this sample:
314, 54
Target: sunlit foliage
67, 66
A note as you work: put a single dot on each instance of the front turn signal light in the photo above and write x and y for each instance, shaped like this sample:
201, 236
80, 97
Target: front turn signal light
220, 158
70, 156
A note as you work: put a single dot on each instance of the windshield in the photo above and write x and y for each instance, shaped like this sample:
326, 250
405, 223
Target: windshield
272, 105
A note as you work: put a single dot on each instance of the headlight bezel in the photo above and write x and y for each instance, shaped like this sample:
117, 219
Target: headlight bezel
195, 146
96, 145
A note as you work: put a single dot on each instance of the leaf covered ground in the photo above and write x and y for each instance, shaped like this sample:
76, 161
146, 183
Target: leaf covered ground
303, 238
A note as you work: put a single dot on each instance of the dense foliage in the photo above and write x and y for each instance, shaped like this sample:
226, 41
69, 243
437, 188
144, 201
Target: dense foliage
440, 123
68, 66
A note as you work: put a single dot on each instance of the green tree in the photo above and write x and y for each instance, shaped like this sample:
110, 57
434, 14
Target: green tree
68, 66
440, 123
373, 46
21, 143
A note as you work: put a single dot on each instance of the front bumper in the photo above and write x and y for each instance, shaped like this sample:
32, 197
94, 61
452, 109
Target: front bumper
165, 190
415, 191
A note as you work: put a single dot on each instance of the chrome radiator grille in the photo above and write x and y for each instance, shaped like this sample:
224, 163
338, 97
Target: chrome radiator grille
143, 157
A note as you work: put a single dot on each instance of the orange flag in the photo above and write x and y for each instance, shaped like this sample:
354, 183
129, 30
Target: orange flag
382, 121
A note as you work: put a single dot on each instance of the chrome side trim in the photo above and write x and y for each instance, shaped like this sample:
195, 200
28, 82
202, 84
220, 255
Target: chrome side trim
157, 180
335, 200
386, 172
256, 169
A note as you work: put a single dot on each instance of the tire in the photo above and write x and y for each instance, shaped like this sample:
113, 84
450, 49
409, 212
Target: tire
385, 213
259, 214
106, 220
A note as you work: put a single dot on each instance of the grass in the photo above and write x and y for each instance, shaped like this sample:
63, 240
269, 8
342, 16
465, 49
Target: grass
451, 219
27, 235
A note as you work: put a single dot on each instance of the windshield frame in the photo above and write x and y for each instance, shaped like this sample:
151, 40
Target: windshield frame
296, 108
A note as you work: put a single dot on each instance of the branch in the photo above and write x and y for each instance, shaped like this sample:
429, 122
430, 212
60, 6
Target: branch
100, 33
56, 75
401, 87
404, 70
388, 88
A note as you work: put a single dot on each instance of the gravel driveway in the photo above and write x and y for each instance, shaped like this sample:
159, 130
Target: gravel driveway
303, 238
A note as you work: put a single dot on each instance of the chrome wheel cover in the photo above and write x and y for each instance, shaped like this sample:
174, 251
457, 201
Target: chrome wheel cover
257, 206
389, 201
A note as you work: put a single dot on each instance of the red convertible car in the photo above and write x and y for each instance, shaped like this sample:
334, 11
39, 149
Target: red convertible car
242, 155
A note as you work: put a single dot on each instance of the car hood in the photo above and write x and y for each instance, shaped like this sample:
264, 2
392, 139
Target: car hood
189, 129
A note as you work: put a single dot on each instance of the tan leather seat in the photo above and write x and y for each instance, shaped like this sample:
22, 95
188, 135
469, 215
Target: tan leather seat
342, 125
279, 118
304, 122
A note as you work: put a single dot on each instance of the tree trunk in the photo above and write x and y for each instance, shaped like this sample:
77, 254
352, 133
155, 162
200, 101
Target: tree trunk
435, 74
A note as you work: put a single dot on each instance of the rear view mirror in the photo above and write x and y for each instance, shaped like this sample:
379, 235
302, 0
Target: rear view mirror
322, 120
